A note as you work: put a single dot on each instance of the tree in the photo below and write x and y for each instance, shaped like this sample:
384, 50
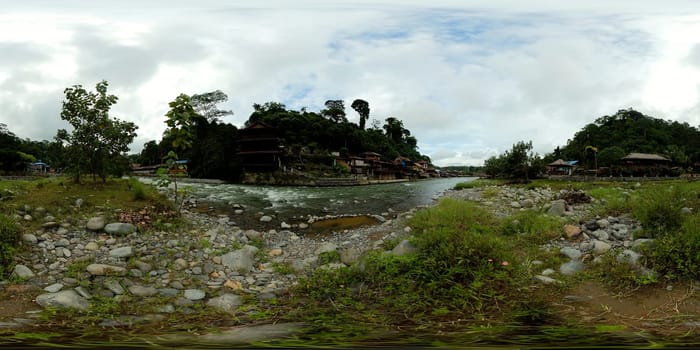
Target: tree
610, 155
205, 105
362, 108
96, 140
335, 111
181, 120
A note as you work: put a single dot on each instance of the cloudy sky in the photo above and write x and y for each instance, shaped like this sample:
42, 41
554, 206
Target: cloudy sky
468, 78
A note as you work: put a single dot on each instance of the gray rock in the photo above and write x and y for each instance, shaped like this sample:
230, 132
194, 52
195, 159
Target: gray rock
121, 252
326, 247
603, 223
558, 208
92, 246
120, 228
265, 218
96, 224
105, 270
253, 235
63, 299
600, 247
548, 272
181, 264
29, 238
141, 291
572, 267
79, 202
639, 244
601, 235
62, 242
226, 303
54, 288
545, 279
115, 287
629, 256
23, 272
49, 225
169, 292
240, 260
404, 248
83, 292
515, 205
285, 225
350, 255
195, 294
686, 210
527, 203
571, 253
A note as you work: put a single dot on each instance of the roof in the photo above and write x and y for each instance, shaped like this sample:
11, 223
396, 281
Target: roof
559, 162
645, 156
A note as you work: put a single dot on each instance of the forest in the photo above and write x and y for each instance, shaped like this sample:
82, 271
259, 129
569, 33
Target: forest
98, 143
195, 132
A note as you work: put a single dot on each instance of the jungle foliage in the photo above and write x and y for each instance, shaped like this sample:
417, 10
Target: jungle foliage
614, 136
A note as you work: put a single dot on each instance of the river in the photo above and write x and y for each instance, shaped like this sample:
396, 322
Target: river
290, 203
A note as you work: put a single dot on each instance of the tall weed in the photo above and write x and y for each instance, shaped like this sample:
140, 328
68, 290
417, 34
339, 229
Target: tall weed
9, 240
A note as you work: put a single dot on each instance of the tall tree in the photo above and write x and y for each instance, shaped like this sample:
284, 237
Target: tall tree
362, 108
181, 121
205, 104
96, 140
335, 111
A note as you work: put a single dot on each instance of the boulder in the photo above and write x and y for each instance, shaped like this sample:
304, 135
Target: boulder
527, 203
253, 235
600, 247
226, 302
572, 231
571, 267
121, 252
63, 299
404, 248
558, 208
22, 272
571, 253
195, 294
601, 234
326, 248
545, 279
120, 228
141, 291
96, 224
350, 255
241, 259
29, 238
265, 218
629, 256
105, 270
639, 244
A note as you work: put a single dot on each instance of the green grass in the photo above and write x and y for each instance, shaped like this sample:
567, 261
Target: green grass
478, 183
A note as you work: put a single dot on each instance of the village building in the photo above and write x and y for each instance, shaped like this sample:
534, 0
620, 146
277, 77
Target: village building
560, 167
260, 149
645, 164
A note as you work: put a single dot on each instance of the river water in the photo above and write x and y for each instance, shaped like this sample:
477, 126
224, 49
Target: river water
289, 203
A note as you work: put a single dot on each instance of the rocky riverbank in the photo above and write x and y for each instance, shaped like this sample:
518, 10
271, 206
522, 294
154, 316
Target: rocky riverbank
213, 263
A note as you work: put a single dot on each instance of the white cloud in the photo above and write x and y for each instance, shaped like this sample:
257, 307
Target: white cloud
467, 80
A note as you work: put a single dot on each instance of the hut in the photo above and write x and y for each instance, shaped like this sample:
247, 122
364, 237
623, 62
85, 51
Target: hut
645, 164
559, 167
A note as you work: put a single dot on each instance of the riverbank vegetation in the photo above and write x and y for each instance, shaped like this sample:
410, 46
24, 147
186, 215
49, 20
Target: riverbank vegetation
472, 273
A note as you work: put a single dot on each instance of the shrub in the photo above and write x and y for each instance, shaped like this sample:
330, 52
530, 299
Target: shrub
678, 255
534, 226
9, 239
659, 211
137, 189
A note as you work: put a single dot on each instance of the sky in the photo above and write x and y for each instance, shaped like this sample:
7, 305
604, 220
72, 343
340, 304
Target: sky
468, 78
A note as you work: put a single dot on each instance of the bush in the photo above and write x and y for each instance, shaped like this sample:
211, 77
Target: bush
532, 225
678, 255
659, 211
9, 239
137, 189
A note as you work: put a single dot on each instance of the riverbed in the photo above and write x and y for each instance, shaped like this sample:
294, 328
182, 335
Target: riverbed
296, 203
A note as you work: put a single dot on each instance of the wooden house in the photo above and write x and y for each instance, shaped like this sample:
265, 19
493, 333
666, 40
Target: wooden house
260, 149
645, 164
559, 167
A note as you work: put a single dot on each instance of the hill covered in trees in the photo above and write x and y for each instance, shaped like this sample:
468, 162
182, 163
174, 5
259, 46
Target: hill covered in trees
611, 137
